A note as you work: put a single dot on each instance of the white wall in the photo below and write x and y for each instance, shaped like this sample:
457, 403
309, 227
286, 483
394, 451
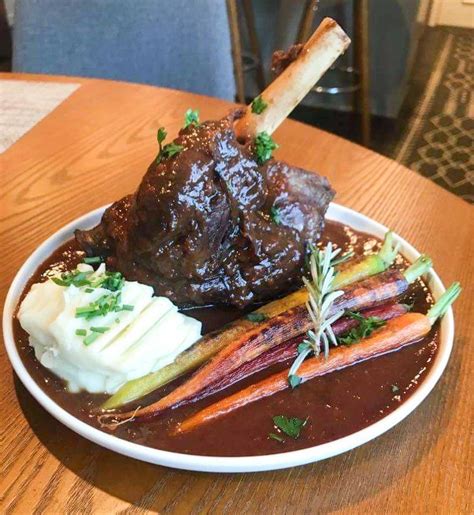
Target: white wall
459, 13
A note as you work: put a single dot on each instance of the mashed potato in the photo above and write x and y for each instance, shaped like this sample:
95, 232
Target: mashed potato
98, 350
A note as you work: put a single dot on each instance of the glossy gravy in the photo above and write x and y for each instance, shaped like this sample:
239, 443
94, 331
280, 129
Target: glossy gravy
336, 405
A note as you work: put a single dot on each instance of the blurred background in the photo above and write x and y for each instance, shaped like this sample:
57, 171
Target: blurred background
405, 88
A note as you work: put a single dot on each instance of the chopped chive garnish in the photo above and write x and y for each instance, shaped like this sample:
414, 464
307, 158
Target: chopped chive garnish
100, 329
92, 337
86, 310
92, 260
102, 306
117, 320
75, 278
276, 437
89, 290
81, 332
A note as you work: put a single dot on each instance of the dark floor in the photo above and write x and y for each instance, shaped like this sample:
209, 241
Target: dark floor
433, 136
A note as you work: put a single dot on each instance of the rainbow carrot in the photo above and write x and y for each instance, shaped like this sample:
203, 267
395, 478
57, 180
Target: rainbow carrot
252, 342
397, 333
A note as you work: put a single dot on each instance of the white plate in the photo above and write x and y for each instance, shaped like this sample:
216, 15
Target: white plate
223, 464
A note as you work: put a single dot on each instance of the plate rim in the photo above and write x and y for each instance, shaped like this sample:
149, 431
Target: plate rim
221, 464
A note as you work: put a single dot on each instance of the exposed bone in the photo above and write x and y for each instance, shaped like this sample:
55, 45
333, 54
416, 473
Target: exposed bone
327, 43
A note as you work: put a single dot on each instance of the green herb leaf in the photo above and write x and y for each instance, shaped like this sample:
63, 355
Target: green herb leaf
303, 346
161, 136
103, 305
276, 437
365, 328
264, 147
275, 215
81, 332
169, 150
100, 330
342, 259
75, 278
395, 388
112, 281
256, 317
191, 118
290, 426
90, 338
127, 307
92, 260
259, 105
294, 380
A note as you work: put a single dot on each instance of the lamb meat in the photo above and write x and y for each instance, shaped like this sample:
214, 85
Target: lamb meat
210, 225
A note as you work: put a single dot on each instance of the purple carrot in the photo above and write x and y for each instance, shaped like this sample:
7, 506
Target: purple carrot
289, 349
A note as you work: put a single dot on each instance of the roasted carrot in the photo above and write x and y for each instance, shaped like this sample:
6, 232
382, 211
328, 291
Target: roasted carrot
397, 333
211, 344
366, 266
289, 349
247, 345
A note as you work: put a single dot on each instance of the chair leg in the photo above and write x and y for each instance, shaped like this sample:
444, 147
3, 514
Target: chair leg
361, 53
254, 43
307, 19
236, 49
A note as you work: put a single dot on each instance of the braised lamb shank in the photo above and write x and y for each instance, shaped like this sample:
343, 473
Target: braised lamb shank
213, 222
211, 225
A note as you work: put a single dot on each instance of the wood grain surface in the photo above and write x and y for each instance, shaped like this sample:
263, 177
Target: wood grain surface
93, 149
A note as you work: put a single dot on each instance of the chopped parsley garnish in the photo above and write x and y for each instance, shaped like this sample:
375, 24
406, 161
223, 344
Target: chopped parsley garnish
92, 260
290, 426
169, 150
275, 215
365, 328
256, 317
191, 118
264, 147
294, 380
161, 136
166, 151
81, 332
259, 105
276, 437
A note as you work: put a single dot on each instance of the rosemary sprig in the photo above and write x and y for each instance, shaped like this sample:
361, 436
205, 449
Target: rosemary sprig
320, 301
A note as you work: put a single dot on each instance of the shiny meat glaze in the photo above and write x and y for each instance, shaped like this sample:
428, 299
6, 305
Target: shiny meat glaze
210, 225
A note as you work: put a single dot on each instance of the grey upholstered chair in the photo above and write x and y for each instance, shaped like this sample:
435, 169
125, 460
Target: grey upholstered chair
180, 44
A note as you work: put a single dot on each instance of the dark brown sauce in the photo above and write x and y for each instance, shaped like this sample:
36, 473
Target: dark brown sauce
337, 404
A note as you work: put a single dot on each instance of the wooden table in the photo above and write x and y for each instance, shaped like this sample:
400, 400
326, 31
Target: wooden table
93, 149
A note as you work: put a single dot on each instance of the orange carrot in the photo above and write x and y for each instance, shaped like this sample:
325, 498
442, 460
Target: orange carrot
397, 333
256, 340
245, 347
